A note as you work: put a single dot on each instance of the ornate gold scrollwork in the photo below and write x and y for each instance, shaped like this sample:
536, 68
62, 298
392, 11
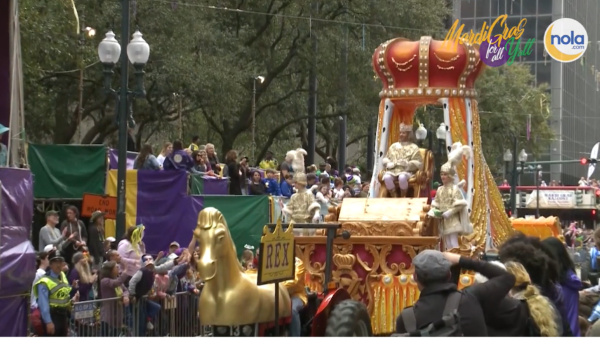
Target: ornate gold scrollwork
402, 228
315, 269
386, 287
344, 261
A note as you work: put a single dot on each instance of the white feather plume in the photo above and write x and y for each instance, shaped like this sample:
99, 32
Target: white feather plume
458, 151
298, 160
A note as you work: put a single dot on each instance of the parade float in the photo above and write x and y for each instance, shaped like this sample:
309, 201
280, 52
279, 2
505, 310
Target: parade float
391, 227
367, 250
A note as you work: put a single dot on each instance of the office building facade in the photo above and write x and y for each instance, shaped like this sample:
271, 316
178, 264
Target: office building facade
574, 91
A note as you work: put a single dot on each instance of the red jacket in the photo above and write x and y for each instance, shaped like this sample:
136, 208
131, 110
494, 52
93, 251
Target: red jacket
432, 193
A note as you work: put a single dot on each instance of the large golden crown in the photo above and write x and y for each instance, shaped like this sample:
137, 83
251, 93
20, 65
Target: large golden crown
413, 70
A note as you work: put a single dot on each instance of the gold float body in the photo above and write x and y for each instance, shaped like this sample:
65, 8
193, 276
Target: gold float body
542, 227
230, 296
375, 264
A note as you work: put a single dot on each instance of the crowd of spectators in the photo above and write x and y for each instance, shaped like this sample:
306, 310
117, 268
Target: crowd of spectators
270, 177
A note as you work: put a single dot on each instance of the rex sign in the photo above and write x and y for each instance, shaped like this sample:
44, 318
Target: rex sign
276, 262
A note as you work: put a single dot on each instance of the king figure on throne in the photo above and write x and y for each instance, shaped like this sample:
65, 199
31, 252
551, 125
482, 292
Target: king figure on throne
403, 160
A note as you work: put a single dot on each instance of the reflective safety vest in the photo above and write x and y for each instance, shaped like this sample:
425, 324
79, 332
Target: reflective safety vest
59, 290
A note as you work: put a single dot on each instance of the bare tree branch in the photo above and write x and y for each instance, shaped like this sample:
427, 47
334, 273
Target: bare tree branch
268, 20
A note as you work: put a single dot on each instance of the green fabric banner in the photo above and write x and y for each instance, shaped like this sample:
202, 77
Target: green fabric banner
67, 171
197, 184
245, 215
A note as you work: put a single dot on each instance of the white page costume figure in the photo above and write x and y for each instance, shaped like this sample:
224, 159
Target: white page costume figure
402, 161
302, 207
450, 204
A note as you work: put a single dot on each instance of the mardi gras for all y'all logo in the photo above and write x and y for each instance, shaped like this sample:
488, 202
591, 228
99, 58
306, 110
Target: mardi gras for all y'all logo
494, 50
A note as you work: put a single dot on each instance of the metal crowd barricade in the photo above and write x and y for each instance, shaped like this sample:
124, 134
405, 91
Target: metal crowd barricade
175, 315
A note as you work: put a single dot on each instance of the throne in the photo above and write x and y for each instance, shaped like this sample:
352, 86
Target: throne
418, 182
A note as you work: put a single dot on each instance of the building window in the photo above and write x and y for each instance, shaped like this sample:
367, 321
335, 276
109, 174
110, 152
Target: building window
529, 29
528, 7
467, 8
514, 7
530, 57
543, 73
469, 24
498, 7
479, 24
540, 52
543, 22
544, 6
483, 9
512, 22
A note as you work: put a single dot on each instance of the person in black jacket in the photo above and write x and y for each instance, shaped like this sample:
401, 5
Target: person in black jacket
96, 238
233, 169
511, 317
432, 274
256, 186
543, 269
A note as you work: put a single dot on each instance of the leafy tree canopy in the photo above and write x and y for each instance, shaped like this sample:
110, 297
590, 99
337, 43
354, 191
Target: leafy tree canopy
199, 79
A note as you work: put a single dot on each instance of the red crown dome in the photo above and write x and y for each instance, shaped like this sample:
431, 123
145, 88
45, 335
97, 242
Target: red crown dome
427, 68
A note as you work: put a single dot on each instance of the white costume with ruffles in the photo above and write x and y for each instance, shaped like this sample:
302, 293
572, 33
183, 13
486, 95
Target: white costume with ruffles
302, 207
451, 202
401, 161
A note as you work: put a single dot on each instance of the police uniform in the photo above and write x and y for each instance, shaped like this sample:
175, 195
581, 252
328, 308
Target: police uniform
54, 300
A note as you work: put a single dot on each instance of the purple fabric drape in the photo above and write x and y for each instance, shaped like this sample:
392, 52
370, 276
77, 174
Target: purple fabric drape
214, 186
166, 210
17, 256
113, 159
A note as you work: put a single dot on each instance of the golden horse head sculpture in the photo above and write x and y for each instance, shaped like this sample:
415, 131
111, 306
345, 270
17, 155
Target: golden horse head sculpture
216, 245
230, 297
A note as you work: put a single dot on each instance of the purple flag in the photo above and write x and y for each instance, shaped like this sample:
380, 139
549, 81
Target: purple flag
166, 210
215, 186
113, 159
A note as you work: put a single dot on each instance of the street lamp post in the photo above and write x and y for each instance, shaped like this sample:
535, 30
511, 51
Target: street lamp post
421, 135
440, 134
508, 158
109, 52
260, 79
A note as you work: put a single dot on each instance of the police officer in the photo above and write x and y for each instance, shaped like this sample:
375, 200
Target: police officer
53, 296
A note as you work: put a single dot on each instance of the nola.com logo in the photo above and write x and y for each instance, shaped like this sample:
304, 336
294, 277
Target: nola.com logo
566, 40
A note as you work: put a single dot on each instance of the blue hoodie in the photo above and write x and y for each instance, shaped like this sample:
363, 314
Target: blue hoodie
272, 187
593, 258
286, 189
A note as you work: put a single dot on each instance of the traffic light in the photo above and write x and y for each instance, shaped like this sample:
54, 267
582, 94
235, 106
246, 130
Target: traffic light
522, 199
597, 193
585, 161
